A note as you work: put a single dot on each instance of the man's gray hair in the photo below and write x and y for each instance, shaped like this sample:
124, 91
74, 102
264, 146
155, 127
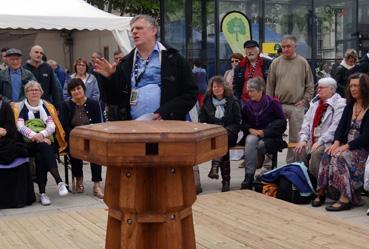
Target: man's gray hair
33, 83
289, 37
147, 18
256, 83
328, 82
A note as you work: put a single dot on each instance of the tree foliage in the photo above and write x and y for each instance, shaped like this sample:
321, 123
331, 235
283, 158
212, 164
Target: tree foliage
133, 7
236, 26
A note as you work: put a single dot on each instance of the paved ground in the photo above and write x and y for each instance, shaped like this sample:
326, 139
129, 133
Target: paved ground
87, 200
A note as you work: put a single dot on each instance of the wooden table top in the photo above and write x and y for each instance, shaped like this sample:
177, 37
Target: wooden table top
148, 131
232, 220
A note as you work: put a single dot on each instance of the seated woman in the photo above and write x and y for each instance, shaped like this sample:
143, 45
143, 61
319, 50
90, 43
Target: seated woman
16, 186
36, 122
343, 163
263, 123
320, 123
221, 108
80, 71
81, 110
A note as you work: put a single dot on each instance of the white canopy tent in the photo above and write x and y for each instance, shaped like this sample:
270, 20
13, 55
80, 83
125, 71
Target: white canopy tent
60, 15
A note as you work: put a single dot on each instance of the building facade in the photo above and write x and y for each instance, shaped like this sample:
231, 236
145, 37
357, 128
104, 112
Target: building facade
324, 28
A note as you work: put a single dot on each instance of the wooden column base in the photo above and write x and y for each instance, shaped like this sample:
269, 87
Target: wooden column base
150, 207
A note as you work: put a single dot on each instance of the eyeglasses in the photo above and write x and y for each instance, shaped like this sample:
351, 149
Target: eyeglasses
33, 90
235, 61
322, 87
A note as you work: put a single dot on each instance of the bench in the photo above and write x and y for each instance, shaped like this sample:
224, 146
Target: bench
66, 167
273, 157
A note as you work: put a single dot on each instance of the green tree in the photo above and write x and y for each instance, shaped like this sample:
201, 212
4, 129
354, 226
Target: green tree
132, 7
236, 26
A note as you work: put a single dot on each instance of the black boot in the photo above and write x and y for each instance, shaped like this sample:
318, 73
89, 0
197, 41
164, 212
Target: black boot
248, 182
213, 173
225, 169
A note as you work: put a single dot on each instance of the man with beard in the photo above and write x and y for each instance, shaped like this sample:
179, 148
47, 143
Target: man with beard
253, 65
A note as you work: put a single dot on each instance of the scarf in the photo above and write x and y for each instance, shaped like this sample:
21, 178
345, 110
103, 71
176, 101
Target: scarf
219, 107
322, 108
251, 72
345, 65
34, 109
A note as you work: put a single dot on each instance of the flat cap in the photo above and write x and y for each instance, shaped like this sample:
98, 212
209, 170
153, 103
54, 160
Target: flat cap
250, 44
13, 51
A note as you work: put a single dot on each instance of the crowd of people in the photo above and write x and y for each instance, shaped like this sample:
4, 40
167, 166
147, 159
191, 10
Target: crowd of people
40, 105
326, 119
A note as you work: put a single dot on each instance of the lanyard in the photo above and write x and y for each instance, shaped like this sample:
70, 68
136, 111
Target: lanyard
135, 71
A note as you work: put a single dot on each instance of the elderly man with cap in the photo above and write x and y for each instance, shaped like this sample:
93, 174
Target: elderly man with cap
320, 123
14, 77
253, 65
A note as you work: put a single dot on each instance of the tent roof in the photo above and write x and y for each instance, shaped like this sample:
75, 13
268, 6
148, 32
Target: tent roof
57, 14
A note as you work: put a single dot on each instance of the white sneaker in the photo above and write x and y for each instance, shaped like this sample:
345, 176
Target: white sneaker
62, 189
45, 200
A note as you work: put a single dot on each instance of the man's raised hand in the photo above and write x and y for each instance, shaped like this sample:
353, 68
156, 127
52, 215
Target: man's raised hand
103, 67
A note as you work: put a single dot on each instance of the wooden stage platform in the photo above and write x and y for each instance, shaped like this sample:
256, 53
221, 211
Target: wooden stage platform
233, 220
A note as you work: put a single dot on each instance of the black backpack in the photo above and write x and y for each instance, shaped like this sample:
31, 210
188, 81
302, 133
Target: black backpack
287, 192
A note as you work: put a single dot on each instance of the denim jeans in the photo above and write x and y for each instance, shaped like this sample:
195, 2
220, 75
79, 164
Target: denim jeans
254, 149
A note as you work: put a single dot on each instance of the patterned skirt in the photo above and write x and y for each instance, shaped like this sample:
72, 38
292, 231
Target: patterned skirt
344, 173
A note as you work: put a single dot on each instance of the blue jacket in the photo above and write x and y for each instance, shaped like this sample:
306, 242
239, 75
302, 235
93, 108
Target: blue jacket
59, 71
6, 84
296, 173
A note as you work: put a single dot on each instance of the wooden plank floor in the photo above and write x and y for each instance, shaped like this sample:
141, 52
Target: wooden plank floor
238, 219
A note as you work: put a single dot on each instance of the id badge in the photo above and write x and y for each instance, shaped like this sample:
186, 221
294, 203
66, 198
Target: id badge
317, 132
134, 97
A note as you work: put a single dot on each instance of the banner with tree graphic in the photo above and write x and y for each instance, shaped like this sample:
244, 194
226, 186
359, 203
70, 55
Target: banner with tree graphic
236, 29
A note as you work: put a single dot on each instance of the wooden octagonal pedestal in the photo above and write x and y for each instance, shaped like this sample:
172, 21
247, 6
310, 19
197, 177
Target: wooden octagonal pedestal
149, 185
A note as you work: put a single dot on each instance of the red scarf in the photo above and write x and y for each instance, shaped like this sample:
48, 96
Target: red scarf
250, 72
322, 107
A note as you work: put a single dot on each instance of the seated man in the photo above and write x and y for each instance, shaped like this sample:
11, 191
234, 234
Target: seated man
320, 123
263, 123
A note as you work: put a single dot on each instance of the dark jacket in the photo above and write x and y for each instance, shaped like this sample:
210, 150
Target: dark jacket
270, 119
239, 75
6, 84
11, 146
68, 108
341, 74
48, 80
232, 114
178, 90
364, 64
362, 141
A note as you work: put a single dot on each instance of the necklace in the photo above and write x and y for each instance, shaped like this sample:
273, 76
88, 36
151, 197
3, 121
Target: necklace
357, 111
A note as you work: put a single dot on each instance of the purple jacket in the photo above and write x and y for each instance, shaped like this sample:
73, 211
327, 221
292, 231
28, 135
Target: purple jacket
266, 115
258, 114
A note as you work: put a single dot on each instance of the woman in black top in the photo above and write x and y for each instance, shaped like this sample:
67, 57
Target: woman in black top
221, 108
16, 186
80, 110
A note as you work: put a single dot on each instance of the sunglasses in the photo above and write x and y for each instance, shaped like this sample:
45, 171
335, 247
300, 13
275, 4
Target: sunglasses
235, 61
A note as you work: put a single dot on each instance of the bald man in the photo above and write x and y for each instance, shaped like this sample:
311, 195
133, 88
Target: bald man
44, 75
